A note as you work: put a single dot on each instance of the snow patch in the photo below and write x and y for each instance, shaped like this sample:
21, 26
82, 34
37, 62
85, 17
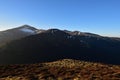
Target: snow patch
39, 31
79, 33
54, 31
27, 30
69, 36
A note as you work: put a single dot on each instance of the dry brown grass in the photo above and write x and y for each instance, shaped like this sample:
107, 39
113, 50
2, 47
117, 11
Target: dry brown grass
66, 69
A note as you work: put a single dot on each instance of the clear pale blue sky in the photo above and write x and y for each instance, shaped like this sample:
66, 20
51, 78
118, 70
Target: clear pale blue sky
96, 16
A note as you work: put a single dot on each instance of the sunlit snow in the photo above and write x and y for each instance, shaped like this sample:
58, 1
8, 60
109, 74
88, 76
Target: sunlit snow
27, 30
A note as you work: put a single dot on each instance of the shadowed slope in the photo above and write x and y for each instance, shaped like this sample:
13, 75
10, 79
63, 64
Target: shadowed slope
54, 44
41, 47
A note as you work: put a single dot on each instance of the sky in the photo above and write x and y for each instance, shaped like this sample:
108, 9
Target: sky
95, 16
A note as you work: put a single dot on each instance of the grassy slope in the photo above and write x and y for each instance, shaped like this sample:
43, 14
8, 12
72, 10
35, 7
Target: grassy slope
66, 69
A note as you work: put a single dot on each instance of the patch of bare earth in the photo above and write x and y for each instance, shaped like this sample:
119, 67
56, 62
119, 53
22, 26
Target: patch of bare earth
66, 69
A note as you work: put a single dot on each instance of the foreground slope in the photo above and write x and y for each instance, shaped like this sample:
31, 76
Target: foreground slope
66, 69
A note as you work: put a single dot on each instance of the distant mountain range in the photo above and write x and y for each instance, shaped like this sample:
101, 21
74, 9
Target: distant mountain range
26, 44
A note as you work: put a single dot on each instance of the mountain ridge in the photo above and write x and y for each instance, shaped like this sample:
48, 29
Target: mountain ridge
67, 31
53, 44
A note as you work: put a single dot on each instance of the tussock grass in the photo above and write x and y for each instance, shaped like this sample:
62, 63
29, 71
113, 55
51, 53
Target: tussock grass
66, 69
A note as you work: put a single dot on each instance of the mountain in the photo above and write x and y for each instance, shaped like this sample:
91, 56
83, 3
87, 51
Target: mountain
49, 45
65, 69
54, 44
16, 33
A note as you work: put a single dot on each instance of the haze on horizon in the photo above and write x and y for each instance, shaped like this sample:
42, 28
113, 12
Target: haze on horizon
95, 16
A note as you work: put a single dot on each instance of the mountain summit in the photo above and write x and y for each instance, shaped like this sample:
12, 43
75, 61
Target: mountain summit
27, 27
16, 33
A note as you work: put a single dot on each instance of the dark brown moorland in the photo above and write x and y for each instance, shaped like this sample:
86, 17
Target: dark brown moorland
66, 69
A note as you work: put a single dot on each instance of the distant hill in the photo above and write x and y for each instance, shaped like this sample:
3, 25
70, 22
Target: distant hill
34, 45
66, 69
